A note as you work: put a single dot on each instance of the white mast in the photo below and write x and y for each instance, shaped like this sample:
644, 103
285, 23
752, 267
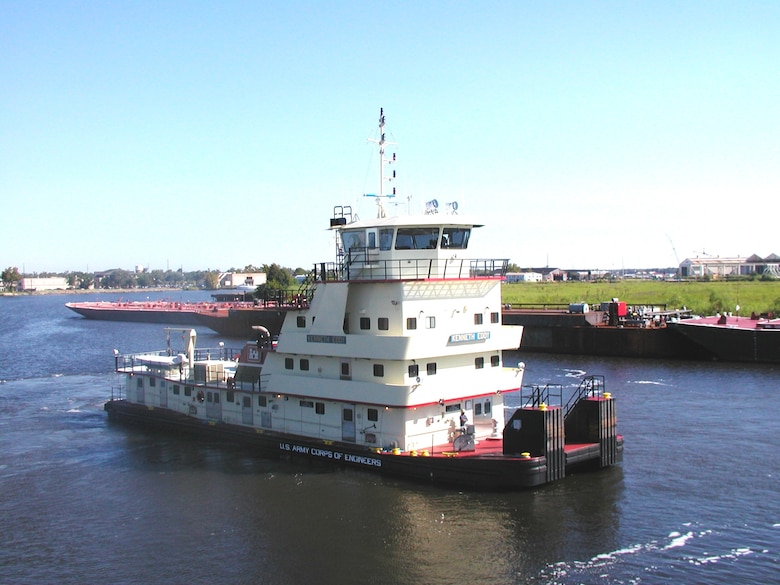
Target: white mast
382, 160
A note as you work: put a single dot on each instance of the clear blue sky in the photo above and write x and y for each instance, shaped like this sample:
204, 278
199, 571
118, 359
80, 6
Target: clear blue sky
210, 135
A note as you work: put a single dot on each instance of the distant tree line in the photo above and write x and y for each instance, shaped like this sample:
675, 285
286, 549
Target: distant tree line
277, 278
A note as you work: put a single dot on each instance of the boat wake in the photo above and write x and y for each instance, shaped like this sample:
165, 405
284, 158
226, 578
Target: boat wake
649, 382
662, 561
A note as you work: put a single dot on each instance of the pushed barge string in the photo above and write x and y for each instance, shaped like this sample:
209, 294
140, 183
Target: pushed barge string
398, 338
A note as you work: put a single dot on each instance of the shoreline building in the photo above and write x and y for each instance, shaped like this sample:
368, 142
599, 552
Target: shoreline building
724, 266
30, 283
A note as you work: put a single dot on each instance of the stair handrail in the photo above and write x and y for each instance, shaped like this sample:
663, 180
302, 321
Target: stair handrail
540, 395
590, 386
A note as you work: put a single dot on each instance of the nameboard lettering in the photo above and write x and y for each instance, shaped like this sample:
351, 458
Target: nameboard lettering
326, 338
330, 454
469, 337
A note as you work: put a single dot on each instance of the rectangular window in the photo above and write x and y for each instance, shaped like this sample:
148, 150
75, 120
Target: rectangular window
418, 238
431, 368
414, 371
379, 370
139, 383
353, 239
495, 360
188, 390
262, 401
288, 363
230, 396
385, 238
319, 408
487, 407
304, 364
452, 407
477, 318
246, 401
495, 317
411, 323
383, 323
346, 371
301, 321
365, 323
176, 389
373, 414
479, 363
152, 382
430, 322
478, 409
455, 238
307, 404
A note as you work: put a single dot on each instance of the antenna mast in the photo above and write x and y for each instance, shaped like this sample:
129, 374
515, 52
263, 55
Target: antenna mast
382, 161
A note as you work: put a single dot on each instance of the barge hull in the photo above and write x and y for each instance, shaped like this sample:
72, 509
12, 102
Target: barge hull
582, 334
734, 344
239, 323
139, 316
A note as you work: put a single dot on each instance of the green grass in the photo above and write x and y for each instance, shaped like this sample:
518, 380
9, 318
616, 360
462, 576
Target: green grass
702, 297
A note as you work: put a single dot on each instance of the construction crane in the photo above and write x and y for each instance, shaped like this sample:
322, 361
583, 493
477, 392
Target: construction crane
676, 257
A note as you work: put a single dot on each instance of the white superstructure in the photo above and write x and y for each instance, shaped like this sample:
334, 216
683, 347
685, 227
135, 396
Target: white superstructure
395, 340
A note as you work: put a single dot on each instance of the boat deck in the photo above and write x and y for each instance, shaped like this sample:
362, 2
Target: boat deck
732, 322
494, 448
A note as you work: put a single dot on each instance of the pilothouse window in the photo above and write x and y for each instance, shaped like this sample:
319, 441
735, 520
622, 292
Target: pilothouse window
385, 238
455, 237
353, 239
421, 238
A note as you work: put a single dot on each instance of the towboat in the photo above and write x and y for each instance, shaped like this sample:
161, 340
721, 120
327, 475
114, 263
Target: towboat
392, 363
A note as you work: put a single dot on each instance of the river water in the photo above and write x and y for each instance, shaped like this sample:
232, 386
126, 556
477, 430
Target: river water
84, 501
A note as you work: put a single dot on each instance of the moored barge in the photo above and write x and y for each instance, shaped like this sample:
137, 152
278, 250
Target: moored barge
163, 312
613, 329
731, 338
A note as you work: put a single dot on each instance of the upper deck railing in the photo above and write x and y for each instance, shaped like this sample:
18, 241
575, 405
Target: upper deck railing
125, 363
361, 266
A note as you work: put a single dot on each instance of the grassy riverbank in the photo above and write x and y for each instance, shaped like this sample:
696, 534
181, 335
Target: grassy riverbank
704, 298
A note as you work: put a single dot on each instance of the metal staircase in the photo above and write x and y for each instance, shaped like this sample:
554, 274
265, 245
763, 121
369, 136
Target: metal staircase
535, 395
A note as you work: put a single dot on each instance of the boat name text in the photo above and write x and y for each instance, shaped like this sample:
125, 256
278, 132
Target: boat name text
469, 337
326, 338
328, 454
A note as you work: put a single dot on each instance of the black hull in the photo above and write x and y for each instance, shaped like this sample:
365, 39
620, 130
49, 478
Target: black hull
238, 323
731, 344
495, 472
183, 317
572, 334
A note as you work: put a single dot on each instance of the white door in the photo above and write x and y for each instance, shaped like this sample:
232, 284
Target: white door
348, 423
